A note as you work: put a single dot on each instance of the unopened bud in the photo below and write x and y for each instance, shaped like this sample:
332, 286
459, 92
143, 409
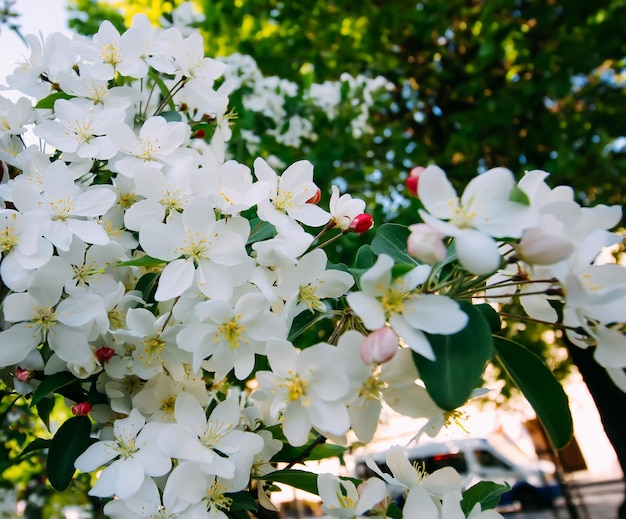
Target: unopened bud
361, 223
24, 375
104, 354
425, 243
413, 180
316, 197
379, 346
81, 409
199, 134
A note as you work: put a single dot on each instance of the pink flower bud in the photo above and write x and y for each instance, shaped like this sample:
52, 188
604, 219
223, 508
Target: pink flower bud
81, 409
413, 180
425, 243
24, 375
104, 354
316, 197
379, 346
361, 223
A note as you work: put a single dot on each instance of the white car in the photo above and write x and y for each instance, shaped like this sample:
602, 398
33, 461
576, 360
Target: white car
532, 482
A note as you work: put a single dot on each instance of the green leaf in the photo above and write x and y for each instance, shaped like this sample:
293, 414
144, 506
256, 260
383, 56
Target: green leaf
391, 239
69, 442
303, 322
487, 493
491, 316
261, 231
48, 102
51, 385
301, 479
365, 258
44, 408
461, 359
36, 445
147, 285
543, 392
393, 511
517, 195
322, 451
242, 501
171, 116
144, 261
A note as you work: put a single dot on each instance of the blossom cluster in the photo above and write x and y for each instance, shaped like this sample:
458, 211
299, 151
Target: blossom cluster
171, 282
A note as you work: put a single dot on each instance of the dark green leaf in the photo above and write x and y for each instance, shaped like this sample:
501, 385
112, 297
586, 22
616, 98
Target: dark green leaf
391, 239
460, 361
365, 258
36, 445
48, 102
491, 316
52, 384
44, 408
301, 479
393, 511
303, 322
261, 231
486, 493
242, 501
147, 285
171, 116
540, 388
69, 442
144, 261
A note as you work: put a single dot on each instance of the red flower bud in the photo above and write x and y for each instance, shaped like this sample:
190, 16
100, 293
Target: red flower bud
361, 223
413, 180
316, 197
104, 354
199, 134
81, 409
24, 375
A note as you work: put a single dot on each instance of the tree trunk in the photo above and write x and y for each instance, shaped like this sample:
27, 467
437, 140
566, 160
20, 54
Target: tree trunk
609, 399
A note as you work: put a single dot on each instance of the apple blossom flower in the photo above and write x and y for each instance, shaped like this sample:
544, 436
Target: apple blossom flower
341, 498
306, 389
383, 299
231, 335
379, 346
344, 208
202, 251
288, 195
482, 213
134, 454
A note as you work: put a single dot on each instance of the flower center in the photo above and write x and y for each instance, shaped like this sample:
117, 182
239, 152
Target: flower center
393, 302
62, 208
8, 239
233, 332
110, 53
215, 497
124, 449
215, 431
307, 295
45, 317
296, 388
153, 346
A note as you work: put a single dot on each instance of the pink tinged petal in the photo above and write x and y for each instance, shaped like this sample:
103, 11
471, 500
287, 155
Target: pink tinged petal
189, 413
129, 478
296, 424
416, 339
435, 314
368, 309
437, 193
477, 252
96, 455
175, 278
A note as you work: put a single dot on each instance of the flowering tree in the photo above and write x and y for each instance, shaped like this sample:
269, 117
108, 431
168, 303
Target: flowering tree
164, 290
